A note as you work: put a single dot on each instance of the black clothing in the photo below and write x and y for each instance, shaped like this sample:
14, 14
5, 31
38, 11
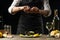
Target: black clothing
30, 22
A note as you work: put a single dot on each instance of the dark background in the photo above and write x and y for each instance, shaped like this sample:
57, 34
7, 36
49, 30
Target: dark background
12, 19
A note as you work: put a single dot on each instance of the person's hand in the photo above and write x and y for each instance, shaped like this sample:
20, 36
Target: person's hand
26, 9
34, 10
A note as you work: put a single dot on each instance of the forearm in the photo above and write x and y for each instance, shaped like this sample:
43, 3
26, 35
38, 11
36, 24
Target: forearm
44, 12
47, 10
16, 9
13, 8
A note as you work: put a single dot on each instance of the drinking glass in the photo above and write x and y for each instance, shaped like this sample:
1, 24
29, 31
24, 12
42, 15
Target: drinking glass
48, 26
7, 28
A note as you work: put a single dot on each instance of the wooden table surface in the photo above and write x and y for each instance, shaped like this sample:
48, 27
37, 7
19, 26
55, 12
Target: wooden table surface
16, 37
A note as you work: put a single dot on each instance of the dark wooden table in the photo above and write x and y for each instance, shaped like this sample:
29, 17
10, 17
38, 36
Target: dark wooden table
43, 37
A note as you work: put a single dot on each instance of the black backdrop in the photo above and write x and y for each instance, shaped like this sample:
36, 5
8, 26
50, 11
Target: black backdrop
12, 19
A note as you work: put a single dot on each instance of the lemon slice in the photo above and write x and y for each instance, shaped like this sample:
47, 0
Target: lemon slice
21, 35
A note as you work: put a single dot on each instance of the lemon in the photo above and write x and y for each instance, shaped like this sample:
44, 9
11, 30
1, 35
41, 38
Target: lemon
31, 32
21, 35
31, 35
57, 31
36, 35
1, 34
57, 35
5, 35
54, 32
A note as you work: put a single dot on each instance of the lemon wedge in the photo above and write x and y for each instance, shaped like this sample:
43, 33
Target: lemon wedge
36, 35
1, 34
21, 35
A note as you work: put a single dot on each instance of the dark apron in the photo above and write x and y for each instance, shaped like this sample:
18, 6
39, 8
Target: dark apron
30, 22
